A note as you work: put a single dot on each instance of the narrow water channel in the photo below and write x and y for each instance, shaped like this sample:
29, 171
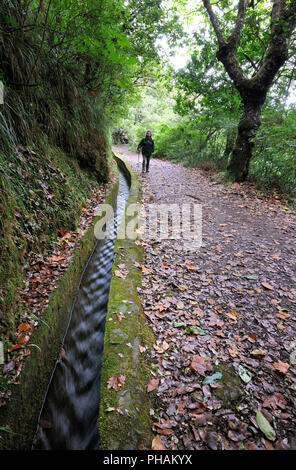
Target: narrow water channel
68, 418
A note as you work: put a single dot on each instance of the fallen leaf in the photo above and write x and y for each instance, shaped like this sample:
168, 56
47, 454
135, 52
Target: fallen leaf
14, 347
232, 315
121, 274
268, 445
8, 367
62, 354
145, 270
23, 338
283, 315
233, 351
190, 266
157, 444
244, 374
165, 431
277, 400
56, 258
64, 234
116, 382
211, 378
24, 327
267, 285
258, 352
265, 426
200, 365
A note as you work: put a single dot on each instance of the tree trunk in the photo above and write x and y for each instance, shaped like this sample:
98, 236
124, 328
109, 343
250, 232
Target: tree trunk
242, 151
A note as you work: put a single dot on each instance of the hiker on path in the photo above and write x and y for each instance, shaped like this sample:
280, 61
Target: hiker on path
147, 146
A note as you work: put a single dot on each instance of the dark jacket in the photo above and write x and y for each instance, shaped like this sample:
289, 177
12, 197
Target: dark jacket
147, 146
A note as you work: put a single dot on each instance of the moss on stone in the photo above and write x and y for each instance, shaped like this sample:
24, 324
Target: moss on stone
124, 419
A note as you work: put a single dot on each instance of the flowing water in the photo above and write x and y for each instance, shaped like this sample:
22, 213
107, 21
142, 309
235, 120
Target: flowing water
68, 418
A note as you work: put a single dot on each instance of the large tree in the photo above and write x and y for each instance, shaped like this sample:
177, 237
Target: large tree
253, 90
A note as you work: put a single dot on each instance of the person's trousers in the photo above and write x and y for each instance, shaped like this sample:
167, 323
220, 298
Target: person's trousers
145, 163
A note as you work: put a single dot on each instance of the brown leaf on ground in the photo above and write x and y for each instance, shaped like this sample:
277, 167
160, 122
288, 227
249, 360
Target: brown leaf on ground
24, 327
283, 315
236, 320
14, 347
62, 354
232, 315
190, 266
54, 258
277, 400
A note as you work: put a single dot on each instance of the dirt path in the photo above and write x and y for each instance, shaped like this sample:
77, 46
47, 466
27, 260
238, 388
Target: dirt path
223, 316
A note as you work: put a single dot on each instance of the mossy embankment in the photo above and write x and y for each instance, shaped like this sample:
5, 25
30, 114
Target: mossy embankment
18, 419
124, 420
